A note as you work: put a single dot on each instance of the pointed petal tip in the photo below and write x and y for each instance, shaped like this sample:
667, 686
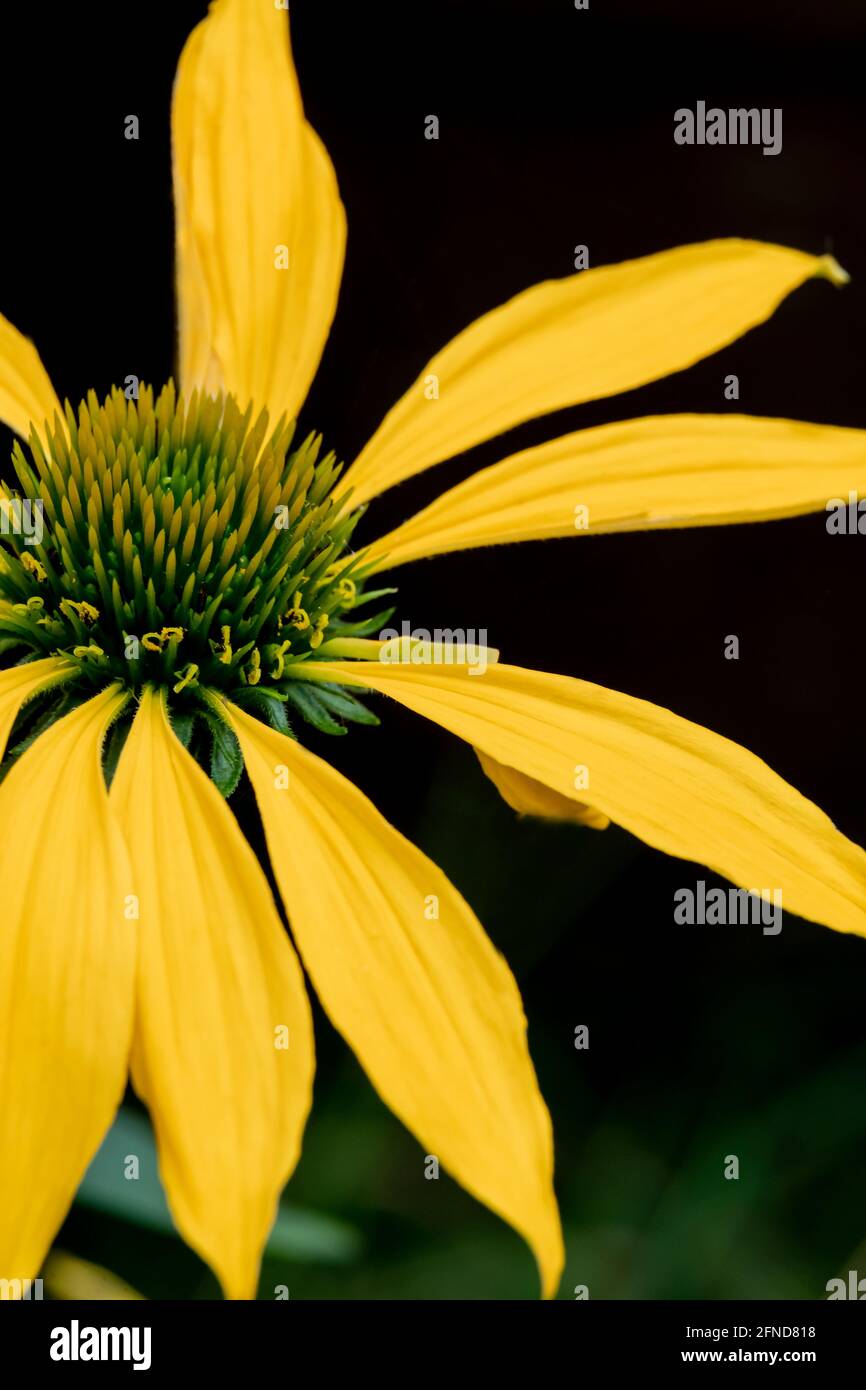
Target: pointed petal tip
550, 1255
828, 268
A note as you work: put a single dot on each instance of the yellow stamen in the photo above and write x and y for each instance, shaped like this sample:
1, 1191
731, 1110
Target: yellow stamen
280, 659
32, 565
318, 636
85, 611
331, 574
254, 669
188, 677
225, 651
298, 616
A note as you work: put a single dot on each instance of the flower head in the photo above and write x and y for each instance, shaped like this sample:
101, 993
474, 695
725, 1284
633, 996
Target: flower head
186, 545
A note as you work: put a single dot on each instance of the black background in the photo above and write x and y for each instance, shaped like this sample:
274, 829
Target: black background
556, 128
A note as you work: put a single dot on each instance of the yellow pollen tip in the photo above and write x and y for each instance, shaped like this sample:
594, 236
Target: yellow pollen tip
224, 650
85, 611
254, 669
32, 565
188, 677
280, 659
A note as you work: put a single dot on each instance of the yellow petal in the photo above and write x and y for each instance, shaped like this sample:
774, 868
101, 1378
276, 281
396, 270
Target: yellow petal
253, 186
67, 968
26, 394
408, 976
593, 334
71, 1279
228, 1089
677, 786
18, 684
640, 475
530, 798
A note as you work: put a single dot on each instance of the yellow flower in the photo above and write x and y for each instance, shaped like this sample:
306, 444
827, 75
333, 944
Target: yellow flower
182, 542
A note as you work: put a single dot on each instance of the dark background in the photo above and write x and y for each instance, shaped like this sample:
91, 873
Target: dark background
556, 128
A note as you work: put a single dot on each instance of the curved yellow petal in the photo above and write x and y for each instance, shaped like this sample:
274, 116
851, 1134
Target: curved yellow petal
408, 976
674, 784
67, 969
565, 341
71, 1279
260, 228
223, 1046
528, 797
640, 475
18, 684
26, 394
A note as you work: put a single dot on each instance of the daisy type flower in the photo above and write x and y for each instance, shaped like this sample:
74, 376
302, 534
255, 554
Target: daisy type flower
179, 601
